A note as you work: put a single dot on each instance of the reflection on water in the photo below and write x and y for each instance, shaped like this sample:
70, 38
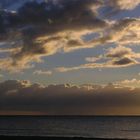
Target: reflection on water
103, 127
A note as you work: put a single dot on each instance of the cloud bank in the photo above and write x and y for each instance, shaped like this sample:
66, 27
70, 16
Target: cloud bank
67, 99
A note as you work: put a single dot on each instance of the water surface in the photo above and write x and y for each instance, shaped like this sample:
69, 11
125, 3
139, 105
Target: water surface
76, 126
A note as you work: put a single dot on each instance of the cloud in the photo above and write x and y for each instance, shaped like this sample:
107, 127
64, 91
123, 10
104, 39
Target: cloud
122, 52
114, 58
119, 51
124, 32
40, 72
124, 61
93, 59
130, 83
113, 7
68, 99
39, 30
119, 63
124, 4
42, 29
1, 75
120, 32
7, 64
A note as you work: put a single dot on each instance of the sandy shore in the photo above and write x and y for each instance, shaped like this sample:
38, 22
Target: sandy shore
51, 138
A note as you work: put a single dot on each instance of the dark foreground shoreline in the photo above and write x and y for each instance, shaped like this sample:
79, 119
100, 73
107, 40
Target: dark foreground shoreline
53, 138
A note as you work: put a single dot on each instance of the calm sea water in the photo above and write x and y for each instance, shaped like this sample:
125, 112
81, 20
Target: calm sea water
102, 127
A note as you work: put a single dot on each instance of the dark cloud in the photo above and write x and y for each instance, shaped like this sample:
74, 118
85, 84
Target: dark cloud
124, 61
65, 15
2, 30
119, 52
5, 3
72, 43
66, 99
39, 29
122, 56
47, 19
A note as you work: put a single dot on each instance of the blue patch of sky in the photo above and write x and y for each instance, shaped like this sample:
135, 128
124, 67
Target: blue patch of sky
88, 76
91, 36
135, 13
71, 59
98, 76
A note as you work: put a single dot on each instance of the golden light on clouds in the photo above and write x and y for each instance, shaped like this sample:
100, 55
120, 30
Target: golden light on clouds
67, 41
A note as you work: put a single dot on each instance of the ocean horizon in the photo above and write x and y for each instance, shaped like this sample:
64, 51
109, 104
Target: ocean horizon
107, 127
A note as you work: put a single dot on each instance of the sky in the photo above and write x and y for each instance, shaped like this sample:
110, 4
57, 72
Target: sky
70, 57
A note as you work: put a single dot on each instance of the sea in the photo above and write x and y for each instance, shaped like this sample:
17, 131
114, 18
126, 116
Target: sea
71, 126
